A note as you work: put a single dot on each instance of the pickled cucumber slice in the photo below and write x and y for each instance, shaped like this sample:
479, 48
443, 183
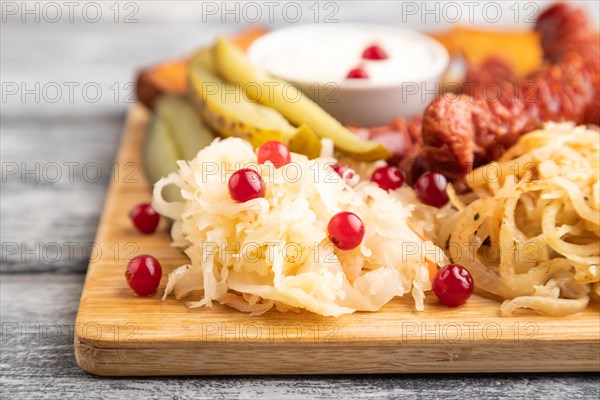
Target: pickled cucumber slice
160, 157
227, 110
233, 65
303, 141
205, 58
176, 133
189, 132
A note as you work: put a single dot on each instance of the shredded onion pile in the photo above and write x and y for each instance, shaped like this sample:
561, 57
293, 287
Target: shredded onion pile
274, 251
530, 231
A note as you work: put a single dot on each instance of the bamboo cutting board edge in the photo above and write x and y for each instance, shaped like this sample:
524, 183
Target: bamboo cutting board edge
119, 334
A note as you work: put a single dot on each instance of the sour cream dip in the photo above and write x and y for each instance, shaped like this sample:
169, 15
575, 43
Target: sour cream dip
319, 58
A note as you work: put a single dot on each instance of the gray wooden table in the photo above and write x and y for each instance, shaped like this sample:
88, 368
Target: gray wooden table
66, 86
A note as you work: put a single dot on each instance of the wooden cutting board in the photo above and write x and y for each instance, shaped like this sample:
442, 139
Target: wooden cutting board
119, 334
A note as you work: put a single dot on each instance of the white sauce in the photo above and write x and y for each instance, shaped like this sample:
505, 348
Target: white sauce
326, 54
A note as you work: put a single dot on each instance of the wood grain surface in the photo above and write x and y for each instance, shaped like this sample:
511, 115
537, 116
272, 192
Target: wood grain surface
39, 294
121, 334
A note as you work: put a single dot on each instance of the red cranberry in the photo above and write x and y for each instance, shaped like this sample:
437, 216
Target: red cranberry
388, 177
357, 73
246, 184
143, 274
431, 189
453, 285
276, 152
374, 52
343, 171
346, 230
144, 218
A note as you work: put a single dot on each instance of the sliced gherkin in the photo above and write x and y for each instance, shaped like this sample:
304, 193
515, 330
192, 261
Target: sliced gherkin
234, 66
228, 111
189, 132
176, 133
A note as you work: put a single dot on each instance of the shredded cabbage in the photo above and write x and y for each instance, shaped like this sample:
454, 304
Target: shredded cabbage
530, 231
274, 251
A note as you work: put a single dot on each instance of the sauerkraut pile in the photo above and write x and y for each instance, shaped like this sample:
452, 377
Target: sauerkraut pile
274, 251
530, 230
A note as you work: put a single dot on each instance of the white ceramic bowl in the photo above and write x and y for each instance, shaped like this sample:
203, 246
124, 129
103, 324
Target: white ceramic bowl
317, 57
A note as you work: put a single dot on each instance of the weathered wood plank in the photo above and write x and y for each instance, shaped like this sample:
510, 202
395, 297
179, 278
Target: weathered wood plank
54, 178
